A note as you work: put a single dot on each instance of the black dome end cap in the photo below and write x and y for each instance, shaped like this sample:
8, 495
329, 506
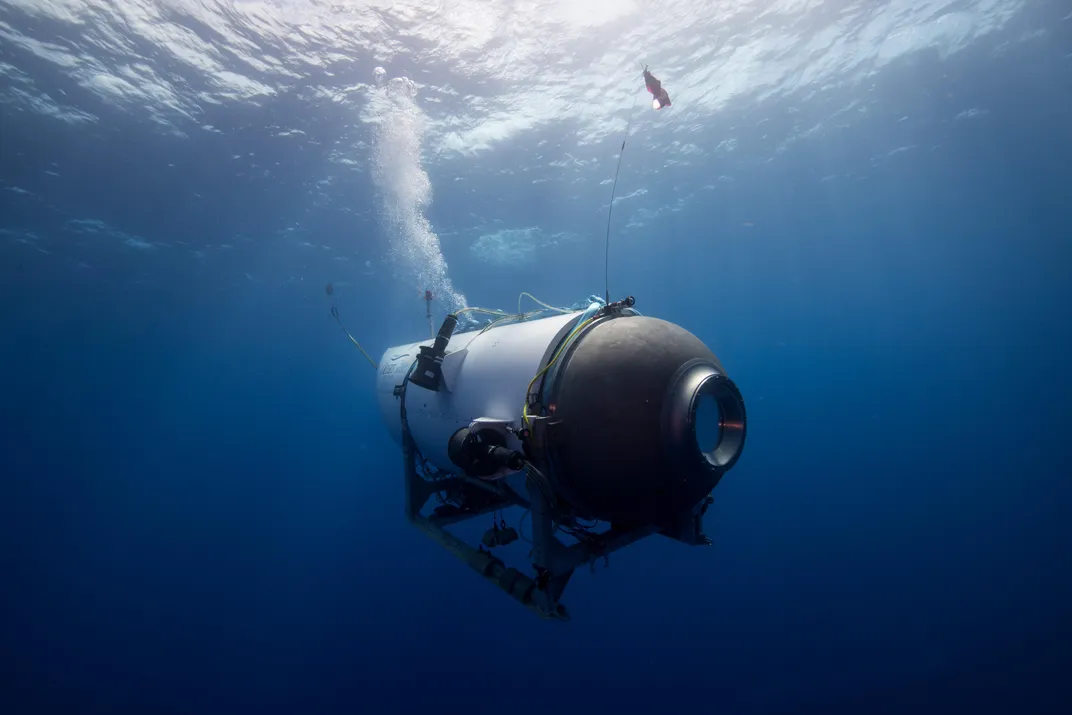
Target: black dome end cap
622, 388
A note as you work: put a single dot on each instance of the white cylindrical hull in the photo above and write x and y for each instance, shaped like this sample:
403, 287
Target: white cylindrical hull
484, 375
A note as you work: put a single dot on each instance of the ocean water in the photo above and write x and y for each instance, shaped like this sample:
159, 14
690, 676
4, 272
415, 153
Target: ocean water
865, 209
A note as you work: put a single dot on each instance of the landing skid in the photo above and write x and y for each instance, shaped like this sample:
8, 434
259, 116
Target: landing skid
553, 561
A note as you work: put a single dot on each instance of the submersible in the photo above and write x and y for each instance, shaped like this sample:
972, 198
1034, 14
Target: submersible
607, 426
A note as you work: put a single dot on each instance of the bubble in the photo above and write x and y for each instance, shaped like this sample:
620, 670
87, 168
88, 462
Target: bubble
405, 189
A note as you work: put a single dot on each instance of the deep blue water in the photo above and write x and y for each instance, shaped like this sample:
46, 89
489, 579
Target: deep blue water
202, 512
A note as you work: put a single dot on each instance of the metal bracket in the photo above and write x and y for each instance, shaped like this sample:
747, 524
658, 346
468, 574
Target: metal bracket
518, 585
553, 561
689, 528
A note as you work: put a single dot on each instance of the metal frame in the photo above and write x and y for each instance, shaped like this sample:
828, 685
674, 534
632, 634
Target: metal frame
553, 561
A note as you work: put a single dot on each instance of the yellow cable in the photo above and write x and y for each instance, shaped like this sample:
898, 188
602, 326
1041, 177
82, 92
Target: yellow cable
537, 301
473, 309
519, 315
502, 316
566, 342
356, 344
